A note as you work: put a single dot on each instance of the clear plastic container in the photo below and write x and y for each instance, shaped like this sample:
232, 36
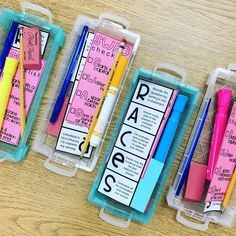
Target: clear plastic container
66, 163
189, 213
55, 41
115, 212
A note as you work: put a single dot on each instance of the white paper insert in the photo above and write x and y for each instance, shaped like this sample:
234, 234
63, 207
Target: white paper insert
134, 141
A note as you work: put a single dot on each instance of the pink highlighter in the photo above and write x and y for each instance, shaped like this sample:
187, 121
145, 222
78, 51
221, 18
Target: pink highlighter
221, 118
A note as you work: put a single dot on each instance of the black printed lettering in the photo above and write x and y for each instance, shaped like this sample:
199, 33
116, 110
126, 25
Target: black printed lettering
106, 181
134, 115
141, 94
122, 136
81, 144
118, 157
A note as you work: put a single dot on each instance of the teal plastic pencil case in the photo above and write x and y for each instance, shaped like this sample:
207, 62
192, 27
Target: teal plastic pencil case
170, 77
53, 38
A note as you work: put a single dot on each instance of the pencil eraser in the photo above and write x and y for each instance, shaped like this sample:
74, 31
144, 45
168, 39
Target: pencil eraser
55, 128
146, 185
32, 49
196, 182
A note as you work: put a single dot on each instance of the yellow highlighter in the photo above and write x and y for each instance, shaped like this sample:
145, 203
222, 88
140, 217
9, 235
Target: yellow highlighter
6, 85
109, 102
229, 190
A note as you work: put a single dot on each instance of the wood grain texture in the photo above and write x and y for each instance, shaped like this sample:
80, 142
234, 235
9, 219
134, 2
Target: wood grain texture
198, 35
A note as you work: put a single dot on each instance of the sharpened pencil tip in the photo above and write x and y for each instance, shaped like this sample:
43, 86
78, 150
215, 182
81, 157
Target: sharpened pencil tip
81, 154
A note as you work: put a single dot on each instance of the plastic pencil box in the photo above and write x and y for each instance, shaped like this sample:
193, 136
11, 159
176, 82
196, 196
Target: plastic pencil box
115, 190
52, 40
191, 213
62, 144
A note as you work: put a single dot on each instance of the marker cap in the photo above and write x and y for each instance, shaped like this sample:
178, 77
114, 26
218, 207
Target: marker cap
180, 103
8, 43
10, 66
224, 97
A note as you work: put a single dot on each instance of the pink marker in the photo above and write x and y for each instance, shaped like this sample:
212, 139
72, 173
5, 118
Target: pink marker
225, 164
221, 118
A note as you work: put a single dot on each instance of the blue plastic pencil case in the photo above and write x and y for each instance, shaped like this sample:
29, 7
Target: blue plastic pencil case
53, 38
168, 77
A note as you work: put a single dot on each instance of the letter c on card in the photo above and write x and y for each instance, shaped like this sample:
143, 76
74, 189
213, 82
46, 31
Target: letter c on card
118, 157
106, 182
122, 136
143, 91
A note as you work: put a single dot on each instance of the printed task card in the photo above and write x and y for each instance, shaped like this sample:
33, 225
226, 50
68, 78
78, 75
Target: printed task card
92, 72
138, 131
10, 132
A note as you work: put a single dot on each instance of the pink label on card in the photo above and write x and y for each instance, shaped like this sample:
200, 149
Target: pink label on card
93, 78
226, 162
10, 132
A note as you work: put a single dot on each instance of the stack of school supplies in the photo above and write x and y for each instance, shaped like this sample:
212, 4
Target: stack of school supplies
205, 180
10, 128
88, 87
26, 62
143, 147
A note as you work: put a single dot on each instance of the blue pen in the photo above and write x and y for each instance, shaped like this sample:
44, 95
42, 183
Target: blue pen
8, 43
147, 184
61, 97
193, 141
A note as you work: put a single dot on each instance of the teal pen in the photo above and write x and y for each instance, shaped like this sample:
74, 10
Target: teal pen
170, 129
147, 184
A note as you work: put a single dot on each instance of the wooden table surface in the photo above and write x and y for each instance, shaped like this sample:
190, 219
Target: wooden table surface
198, 35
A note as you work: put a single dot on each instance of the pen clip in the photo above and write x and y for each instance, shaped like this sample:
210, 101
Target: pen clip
180, 72
27, 5
118, 20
